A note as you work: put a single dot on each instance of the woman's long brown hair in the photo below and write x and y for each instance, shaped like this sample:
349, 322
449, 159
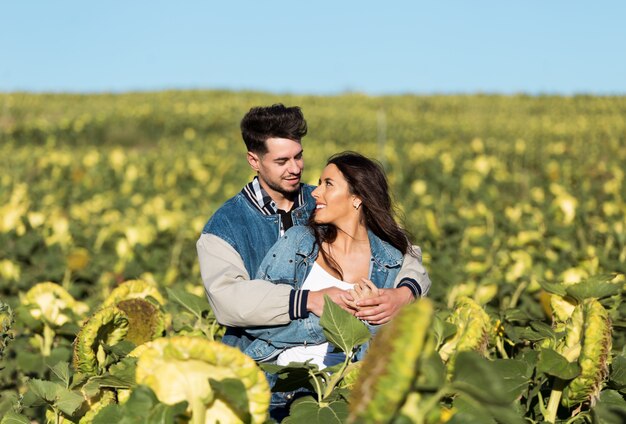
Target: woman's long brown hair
366, 179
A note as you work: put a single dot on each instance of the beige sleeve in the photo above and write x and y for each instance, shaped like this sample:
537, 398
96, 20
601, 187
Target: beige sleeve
236, 300
412, 268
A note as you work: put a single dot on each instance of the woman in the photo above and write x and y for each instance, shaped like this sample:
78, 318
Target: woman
352, 242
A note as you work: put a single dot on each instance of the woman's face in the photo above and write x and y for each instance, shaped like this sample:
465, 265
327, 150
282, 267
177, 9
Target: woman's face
333, 201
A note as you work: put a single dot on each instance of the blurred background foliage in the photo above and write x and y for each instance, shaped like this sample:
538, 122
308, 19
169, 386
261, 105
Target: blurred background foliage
504, 190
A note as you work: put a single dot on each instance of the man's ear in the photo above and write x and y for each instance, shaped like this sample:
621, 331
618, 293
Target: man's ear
253, 160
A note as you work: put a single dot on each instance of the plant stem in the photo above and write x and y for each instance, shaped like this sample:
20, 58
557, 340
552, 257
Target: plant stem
67, 279
336, 377
48, 340
518, 292
431, 403
198, 411
555, 399
500, 347
318, 388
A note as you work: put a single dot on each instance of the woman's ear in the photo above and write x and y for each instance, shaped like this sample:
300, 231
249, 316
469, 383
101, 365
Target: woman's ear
356, 203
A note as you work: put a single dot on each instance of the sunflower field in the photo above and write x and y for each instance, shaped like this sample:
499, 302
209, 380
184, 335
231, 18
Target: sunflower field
517, 202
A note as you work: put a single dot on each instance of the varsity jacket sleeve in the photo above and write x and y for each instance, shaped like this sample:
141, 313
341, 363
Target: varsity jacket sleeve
413, 274
234, 300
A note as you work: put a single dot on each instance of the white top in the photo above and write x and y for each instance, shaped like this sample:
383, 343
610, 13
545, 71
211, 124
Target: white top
322, 355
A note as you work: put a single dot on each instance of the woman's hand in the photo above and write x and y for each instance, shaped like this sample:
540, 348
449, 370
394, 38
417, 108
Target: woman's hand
315, 301
382, 308
362, 290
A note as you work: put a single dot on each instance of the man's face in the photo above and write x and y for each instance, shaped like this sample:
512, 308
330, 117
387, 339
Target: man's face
280, 169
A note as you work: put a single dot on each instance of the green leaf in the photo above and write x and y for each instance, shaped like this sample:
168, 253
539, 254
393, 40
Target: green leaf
195, 304
120, 349
68, 401
555, 364
307, 410
142, 398
442, 329
94, 384
598, 287
142, 407
555, 288
291, 377
14, 418
611, 408
233, 392
341, 328
53, 394
617, 378
62, 372
471, 410
111, 414
483, 379
46, 390
124, 369
167, 414
432, 373
543, 329
516, 375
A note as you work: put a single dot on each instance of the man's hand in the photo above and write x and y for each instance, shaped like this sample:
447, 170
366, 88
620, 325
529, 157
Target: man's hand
315, 301
382, 308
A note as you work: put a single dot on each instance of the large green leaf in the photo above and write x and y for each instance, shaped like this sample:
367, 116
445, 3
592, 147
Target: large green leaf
14, 418
194, 304
442, 329
555, 288
617, 378
290, 377
61, 372
555, 364
141, 407
598, 287
611, 408
341, 328
516, 375
57, 395
94, 384
485, 380
233, 392
307, 410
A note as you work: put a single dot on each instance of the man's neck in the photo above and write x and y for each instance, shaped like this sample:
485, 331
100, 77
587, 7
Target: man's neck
282, 201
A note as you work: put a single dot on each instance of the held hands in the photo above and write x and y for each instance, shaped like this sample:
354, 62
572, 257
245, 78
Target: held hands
365, 301
384, 305
315, 301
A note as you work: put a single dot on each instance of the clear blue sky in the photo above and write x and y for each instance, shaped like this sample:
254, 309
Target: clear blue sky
316, 47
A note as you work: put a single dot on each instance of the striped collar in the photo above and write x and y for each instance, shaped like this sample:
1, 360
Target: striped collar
262, 201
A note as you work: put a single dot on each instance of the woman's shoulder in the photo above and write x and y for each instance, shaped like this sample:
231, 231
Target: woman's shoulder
384, 252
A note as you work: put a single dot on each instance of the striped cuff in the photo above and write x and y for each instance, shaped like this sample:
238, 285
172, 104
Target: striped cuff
412, 285
297, 304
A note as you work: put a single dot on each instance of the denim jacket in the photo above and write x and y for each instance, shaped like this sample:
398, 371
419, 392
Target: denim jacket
289, 261
252, 234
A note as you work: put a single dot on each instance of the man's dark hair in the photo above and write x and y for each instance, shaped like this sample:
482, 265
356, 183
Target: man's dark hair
276, 121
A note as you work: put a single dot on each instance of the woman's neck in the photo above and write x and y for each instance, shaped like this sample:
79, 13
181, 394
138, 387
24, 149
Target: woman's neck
351, 238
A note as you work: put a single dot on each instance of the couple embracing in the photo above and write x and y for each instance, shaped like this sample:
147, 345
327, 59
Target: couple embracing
270, 254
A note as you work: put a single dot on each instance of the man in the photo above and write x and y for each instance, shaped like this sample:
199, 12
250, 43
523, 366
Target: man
239, 234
